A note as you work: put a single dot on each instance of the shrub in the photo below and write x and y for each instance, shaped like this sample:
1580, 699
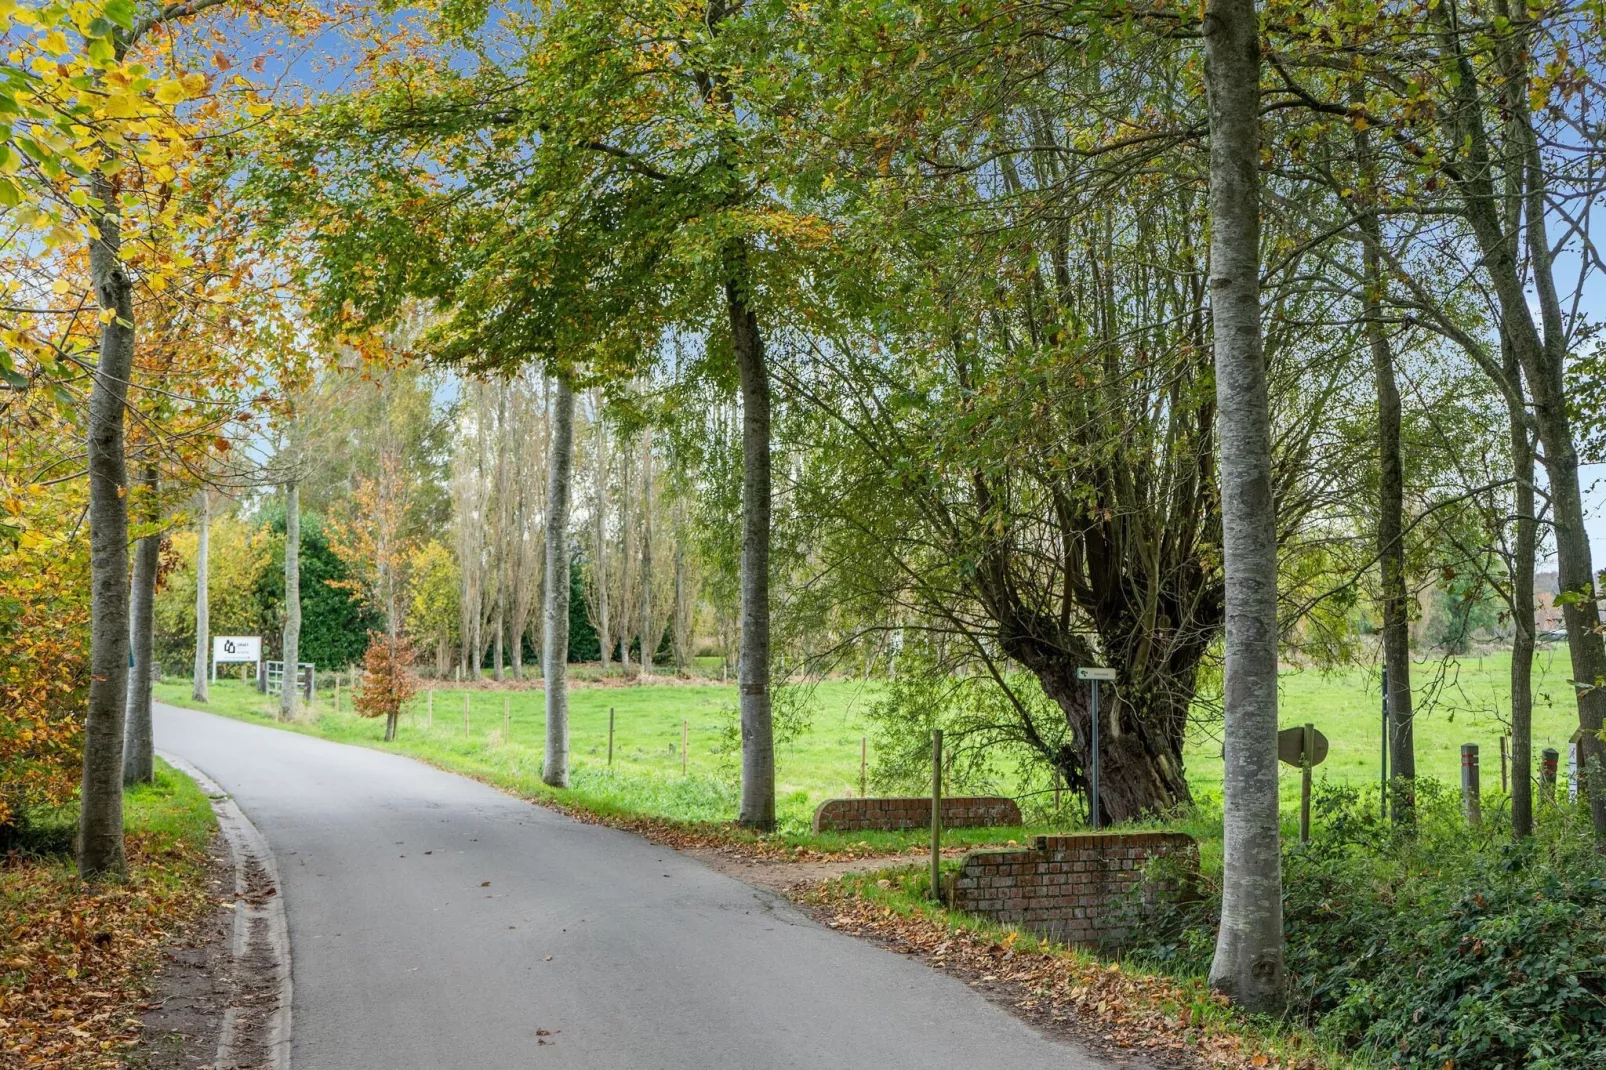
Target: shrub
387, 679
1436, 945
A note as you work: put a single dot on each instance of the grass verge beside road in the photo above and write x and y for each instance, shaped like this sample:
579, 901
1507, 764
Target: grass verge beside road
75, 960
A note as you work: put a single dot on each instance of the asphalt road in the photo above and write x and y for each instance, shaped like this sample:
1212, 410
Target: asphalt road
437, 923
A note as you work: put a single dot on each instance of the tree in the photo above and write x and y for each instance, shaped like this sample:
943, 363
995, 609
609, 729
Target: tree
432, 613
138, 738
199, 689
555, 629
387, 681
1248, 965
289, 690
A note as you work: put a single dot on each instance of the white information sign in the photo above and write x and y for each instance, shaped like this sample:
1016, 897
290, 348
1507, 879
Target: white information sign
227, 648
1095, 673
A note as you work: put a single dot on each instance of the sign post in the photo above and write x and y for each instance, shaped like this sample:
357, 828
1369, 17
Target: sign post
1093, 674
1306, 748
234, 649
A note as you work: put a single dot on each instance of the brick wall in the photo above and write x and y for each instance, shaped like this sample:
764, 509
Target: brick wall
1084, 889
959, 812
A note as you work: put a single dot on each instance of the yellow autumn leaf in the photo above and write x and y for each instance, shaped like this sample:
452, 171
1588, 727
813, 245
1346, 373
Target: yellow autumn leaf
194, 83
170, 92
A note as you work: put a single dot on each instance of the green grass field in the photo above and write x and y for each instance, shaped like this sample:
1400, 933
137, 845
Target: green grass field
1459, 701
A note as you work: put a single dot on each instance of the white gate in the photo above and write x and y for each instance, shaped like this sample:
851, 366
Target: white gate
306, 678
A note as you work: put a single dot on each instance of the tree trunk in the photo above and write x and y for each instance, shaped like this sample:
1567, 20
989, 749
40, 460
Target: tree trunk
648, 646
1541, 352
555, 640
753, 669
600, 565
1142, 729
501, 631
288, 695
200, 690
138, 761
100, 824
1390, 531
1522, 609
681, 637
1248, 964
626, 553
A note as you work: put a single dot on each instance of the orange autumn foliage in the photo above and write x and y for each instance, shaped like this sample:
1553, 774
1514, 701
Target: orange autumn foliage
388, 679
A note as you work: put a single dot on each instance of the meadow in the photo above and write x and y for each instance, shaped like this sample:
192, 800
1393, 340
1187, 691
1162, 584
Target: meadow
1459, 700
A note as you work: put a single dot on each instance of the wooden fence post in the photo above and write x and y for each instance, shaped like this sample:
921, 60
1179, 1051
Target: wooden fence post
1471, 805
1307, 752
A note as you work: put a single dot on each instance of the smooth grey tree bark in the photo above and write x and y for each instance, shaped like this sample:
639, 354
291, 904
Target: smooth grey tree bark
100, 822
288, 696
555, 626
626, 553
200, 690
599, 473
1523, 553
648, 645
138, 740
1248, 964
753, 668
1390, 524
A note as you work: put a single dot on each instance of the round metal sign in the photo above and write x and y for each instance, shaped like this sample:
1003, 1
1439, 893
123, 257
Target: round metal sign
1291, 742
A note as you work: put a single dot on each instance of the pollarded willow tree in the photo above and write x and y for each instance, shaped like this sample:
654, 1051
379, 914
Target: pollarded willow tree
1013, 422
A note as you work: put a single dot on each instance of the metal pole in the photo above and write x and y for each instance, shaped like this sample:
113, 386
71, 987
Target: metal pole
936, 814
1470, 803
1093, 807
1307, 752
1385, 792
610, 737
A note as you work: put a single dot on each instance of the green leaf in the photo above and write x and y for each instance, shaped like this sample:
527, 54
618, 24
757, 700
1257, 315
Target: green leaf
121, 12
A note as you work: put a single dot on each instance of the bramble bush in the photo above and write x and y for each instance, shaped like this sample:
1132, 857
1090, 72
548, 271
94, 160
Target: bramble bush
1436, 945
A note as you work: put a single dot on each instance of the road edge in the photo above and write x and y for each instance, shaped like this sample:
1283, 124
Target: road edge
249, 849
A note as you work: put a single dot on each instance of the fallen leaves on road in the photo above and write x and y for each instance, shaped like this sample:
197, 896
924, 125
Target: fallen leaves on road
76, 957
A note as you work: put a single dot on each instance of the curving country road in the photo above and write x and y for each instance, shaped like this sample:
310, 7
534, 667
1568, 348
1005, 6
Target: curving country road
437, 923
